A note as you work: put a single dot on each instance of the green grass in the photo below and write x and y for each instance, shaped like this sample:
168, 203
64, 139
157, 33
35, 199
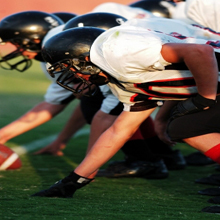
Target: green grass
173, 198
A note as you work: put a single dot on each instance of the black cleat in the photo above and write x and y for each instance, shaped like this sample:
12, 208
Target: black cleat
217, 167
64, 188
210, 192
215, 200
145, 169
215, 209
198, 159
174, 160
213, 179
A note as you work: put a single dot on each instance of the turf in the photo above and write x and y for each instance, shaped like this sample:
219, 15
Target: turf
126, 198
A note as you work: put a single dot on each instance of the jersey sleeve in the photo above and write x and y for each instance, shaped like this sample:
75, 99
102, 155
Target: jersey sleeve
57, 95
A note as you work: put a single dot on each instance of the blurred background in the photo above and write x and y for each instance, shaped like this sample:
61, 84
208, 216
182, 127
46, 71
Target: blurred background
75, 6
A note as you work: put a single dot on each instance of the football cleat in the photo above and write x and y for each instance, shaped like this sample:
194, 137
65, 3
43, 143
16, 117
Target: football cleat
215, 209
174, 160
215, 200
217, 167
198, 159
64, 188
210, 192
213, 179
145, 169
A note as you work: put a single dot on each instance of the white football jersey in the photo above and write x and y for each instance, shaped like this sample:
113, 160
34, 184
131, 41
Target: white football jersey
204, 12
131, 55
180, 14
175, 28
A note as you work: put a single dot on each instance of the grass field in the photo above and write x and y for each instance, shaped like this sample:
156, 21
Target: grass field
173, 198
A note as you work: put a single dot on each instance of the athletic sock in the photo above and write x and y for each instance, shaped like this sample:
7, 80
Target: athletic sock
214, 153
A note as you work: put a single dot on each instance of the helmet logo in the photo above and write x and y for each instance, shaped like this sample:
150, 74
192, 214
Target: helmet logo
52, 21
120, 21
80, 24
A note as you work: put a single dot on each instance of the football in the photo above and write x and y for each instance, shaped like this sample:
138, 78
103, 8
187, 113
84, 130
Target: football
9, 160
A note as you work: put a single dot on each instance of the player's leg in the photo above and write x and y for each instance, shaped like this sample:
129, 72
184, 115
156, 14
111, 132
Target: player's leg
200, 130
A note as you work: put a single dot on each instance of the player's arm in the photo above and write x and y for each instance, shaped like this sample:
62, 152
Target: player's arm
38, 115
74, 123
201, 61
111, 141
161, 121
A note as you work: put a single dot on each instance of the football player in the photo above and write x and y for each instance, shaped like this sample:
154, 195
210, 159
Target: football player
110, 108
165, 10
57, 98
18, 30
142, 67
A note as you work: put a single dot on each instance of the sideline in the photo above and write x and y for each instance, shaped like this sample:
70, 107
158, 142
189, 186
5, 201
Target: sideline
43, 142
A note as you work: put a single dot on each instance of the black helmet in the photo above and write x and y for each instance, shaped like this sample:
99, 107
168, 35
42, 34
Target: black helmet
101, 20
68, 53
65, 16
76, 49
156, 7
26, 31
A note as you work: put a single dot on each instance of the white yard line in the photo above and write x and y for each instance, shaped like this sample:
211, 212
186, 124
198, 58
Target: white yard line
43, 142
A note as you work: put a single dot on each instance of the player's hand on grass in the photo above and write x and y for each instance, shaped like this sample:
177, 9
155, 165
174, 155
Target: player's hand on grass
55, 149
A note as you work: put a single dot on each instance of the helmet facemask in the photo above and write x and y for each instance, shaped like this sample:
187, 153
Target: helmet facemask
15, 60
69, 79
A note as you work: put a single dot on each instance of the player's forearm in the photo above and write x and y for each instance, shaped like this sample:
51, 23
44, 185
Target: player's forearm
40, 114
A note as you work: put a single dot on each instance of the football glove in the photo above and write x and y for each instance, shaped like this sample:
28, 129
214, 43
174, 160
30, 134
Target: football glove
192, 105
